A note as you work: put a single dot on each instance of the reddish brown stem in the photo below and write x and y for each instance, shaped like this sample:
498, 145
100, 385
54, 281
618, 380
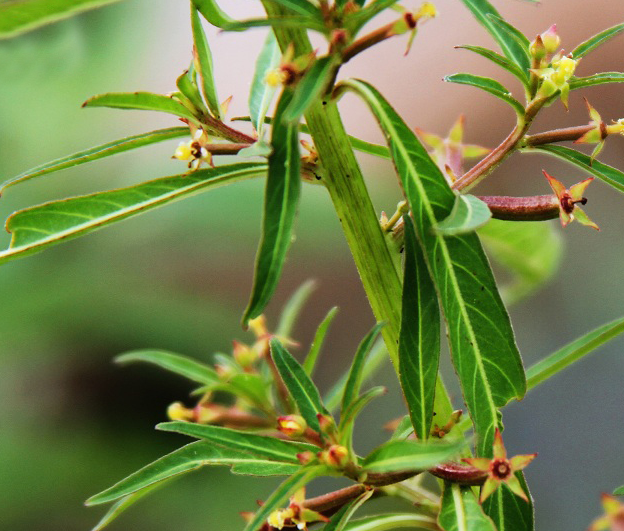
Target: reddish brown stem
361, 44
225, 149
534, 208
557, 135
462, 474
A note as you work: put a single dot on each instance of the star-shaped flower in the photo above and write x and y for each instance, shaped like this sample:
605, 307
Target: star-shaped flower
296, 513
613, 519
569, 201
500, 469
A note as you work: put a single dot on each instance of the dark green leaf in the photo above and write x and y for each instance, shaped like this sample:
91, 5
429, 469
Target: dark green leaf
597, 79
342, 517
573, 352
387, 522
203, 64
99, 152
261, 92
280, 209
289, 21
468, 214
259, 446
404, 456
25, 15
511, 33
508, 65
211, 11
319, 337
311, 87
38, 227
293, 308
419, 340
461, 511
489, 85
142, 101
595, 41
606, 173
482, 342
356, 376
299, 385
182, 365
508, 511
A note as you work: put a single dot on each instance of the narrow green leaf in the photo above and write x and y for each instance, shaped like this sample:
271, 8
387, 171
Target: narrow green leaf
360, 18
604, 172
572, 352
185, 459
288, 21
511, 33
98, 152
182, 365
248, 386
482, 342
356, 376
281, 494
387, 522
468, 214
141, 101
302, 7
261, 92
530, 251
593, 42
299, 385
489, 85
508, 511
293, 308
342, 517
311, 87
280, 209
261, 468
36, 228
501, 61
404, 429
349, 415
461, 511
187, 85
619, 491
319, 337
260, 446
419, 339
404, 456
26, 15
488, 17
203, 65
211, 11
597, 79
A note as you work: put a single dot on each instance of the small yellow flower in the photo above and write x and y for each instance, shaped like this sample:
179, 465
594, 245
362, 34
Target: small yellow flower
292, 425
194, 150
296, 513
555, 77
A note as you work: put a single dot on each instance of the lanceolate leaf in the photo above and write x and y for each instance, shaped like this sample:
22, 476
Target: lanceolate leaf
489, 85
293, 308
280, 209
36, 228
342, 517
99, 152
261, 92
482, 343
595, 41
461, 511
573, 352
185, 459
187, 85
419, 340
508, 65
288, 21
203, 62
511, 33
468, 214
387, 522
211, 11
301, 7
597, 79
607, 173
187, 367
508, 511
301, 387
404, 456
319, 337
25, 15
267, 448
142, 101
486, 14
348, 416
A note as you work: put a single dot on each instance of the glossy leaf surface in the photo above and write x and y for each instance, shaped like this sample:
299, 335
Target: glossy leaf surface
489, 85
461, 511
468, 214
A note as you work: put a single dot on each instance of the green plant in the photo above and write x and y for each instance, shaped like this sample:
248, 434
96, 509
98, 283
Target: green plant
273, 420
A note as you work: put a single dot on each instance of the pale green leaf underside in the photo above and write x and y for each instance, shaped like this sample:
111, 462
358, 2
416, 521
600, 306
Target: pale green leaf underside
461, 511
468, 214
36, 228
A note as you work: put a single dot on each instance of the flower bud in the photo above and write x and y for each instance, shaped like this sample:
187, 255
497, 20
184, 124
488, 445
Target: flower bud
537, 48
292, 425
336, 456
177, 411
244, 354
551, 39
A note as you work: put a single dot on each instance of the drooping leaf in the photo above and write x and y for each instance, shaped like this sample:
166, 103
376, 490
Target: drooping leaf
260, 446
419, 340
185, 459
182, 365
572, 352
301, 388
261, 92
36, 228
404, 456
309, 89
461, 511
593, 42
293, 308
530, 251
342, 517
597, 79
488, 17
211, 11
319, 337
203, 65
387, 522
280, 209
489, 85
468, 214
482, 342
26, 15
501, 61
141, 101
98, 152
508, 511
604, 172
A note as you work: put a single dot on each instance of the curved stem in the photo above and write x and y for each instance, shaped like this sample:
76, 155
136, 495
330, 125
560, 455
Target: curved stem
534, 208
557, 135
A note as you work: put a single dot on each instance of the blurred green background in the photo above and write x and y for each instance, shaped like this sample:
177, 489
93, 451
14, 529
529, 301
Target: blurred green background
72, 423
